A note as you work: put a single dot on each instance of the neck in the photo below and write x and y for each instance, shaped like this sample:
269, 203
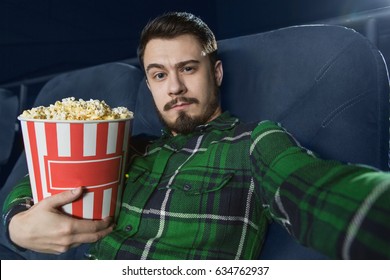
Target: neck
216, 114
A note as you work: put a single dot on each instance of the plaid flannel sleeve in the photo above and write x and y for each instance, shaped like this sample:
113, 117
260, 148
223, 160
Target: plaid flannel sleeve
18, 200
341, 210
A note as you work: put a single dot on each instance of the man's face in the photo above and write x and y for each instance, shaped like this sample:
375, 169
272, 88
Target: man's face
183, 83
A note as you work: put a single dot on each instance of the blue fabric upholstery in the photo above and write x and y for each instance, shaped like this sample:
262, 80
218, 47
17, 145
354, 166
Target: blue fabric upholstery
9, 109
326, 84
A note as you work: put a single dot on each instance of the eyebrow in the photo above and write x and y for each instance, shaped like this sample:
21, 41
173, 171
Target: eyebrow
177, 65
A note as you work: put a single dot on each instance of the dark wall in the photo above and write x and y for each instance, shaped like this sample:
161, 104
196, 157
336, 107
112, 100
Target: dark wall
43, 36
40, 37
246, 17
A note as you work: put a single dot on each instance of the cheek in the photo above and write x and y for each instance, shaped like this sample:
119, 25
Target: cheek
160, 102
158, 97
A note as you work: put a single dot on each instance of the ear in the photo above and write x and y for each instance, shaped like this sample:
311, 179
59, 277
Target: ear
218, 72
147, 83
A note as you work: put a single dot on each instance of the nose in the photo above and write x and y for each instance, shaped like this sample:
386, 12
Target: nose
176, 85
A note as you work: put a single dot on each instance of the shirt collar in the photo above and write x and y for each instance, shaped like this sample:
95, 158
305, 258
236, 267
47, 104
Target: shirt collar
222, 122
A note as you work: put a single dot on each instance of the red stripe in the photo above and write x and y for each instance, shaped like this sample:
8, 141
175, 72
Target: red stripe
119, 139
51, 140
76, 141
101, 139
77, 208
35, 159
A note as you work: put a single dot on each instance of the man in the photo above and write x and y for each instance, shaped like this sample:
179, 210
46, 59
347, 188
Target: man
208, 187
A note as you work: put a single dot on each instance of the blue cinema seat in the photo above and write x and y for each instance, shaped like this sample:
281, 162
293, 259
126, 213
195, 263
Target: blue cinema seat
9, 109
326, 84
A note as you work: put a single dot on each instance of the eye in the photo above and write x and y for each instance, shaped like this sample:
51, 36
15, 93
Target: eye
159, 76
187, 69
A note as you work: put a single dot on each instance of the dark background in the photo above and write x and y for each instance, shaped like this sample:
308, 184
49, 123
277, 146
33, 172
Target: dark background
41, 37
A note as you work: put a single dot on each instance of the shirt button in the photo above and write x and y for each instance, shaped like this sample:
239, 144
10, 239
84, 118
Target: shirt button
89, 256
128, 228
187, 187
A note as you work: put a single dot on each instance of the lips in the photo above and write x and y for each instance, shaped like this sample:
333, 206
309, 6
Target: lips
180, 103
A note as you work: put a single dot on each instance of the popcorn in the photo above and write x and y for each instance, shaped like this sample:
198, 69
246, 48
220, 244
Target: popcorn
72, 109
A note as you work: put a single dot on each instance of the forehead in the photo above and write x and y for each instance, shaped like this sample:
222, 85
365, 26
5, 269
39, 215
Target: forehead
181, 48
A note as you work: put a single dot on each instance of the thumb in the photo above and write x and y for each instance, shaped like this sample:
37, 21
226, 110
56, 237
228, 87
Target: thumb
63, 198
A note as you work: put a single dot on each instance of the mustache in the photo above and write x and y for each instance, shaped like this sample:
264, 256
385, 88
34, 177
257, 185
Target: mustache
189, 100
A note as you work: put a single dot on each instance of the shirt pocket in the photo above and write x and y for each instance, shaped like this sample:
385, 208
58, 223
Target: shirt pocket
196, 181
138, 187
136, 173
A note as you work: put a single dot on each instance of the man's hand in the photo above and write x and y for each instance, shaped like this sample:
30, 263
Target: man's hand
44, 228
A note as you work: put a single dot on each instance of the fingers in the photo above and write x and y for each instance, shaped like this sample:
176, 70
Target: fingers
67, 242
90, 226
43, 228
92, 231
79, 227
63, 198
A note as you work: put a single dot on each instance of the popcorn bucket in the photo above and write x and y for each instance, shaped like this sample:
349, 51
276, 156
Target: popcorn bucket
63, 155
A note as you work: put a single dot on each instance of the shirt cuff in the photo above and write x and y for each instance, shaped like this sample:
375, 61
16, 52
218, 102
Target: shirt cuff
16, 207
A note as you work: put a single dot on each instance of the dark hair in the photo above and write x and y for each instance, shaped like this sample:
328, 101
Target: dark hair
174, 24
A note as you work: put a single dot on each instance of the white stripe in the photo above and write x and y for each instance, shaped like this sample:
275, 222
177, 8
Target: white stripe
201, 149
278, 201
89, 145
261, 136
190, 216
26, 139
134, 209
112, 136
160, 229
152, 151
40, 134
63, 139
163, 206
88, 205
158, 149
106, 203
191, 151
248, 133
360, 215
67, 208
245, 227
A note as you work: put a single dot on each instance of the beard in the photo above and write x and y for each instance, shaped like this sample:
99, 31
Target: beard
184, 123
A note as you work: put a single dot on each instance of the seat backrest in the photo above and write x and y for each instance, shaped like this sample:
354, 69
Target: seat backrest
328, 85
9, 109
116, 83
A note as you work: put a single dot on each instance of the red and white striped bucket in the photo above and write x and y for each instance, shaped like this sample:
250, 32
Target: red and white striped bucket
62, 155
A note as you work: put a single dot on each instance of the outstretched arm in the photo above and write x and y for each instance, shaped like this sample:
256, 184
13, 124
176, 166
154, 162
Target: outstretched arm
339, 209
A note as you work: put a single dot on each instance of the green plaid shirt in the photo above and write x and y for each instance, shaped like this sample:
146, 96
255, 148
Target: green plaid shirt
211, 194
